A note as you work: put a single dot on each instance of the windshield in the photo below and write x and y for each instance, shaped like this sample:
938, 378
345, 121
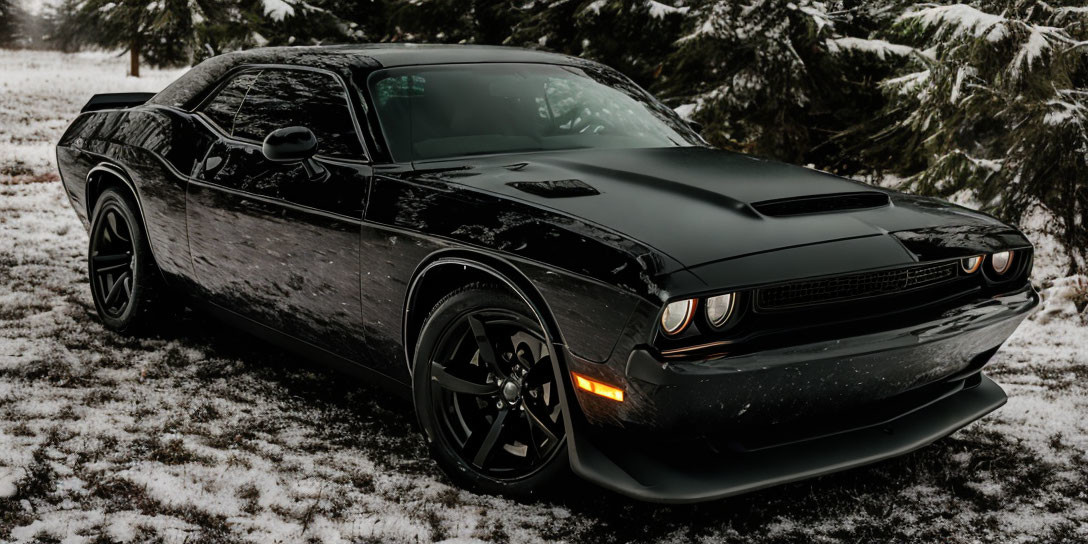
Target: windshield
433, 112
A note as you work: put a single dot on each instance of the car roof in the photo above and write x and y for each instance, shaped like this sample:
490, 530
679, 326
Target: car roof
407, 54
386, 55
344, 59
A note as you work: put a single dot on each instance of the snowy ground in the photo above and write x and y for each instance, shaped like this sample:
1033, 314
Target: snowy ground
201, 435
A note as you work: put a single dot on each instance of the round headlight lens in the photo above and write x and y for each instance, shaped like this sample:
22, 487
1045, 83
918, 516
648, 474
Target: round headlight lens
971, 264
1001, 261
719, 309
677, 315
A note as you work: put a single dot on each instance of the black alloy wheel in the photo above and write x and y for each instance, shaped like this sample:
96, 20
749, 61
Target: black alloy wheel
125, 283
486, 394
111, 263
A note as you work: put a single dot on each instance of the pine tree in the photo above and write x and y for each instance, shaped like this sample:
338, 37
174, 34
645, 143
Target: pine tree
453, 21
362, 22
162, 32
9, 22
633, 36
779, 79
292, 22
996, 105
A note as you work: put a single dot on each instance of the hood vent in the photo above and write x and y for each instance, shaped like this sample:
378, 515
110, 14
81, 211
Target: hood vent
559, 188
785, 207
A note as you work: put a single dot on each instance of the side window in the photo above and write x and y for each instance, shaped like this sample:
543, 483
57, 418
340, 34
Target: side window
284, 98
224, 105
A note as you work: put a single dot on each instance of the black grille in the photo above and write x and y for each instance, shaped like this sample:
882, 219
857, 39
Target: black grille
854, 286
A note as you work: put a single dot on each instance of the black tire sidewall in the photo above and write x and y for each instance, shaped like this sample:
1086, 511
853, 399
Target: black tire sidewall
444, 315
143, 279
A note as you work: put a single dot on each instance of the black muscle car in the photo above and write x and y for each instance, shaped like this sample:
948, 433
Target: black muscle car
554, 266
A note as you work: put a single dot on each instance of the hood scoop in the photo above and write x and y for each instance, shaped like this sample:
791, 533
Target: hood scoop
560, 188
830, 203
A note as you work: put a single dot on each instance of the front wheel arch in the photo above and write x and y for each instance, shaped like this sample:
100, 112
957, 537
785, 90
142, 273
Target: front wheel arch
445, 271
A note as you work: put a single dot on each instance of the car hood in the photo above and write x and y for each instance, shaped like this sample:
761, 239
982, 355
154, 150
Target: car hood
696, 204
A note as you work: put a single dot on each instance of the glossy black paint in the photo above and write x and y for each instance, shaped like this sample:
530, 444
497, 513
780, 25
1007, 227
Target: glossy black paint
336, 257
111, 101
290, 144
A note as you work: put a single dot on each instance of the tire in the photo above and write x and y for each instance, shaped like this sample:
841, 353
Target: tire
459, 406
126, 285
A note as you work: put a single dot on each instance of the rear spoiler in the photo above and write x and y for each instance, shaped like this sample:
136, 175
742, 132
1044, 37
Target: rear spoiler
111, 101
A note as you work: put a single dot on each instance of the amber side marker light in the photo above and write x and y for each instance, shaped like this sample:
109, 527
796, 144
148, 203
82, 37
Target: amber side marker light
597, 388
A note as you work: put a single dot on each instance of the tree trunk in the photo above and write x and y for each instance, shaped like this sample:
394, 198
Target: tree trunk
134, 59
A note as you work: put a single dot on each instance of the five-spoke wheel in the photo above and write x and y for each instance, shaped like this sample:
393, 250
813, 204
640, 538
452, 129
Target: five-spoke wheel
125, 284
111, 261
486, 393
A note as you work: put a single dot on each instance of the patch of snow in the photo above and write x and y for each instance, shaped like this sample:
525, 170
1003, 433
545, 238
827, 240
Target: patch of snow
1060, 300
9, 481
41, 92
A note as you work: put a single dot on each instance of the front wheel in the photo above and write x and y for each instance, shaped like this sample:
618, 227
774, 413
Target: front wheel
486, 396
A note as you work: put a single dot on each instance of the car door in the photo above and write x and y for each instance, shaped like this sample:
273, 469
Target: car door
279, 243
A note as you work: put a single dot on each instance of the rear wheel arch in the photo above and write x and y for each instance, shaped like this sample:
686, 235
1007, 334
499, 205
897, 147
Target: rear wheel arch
105, 175
446, 271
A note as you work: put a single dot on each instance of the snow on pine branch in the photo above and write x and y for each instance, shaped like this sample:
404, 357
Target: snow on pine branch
959, 20
1068, 109
962, 22
880, 48
278, 10
595, 6
767, 20
1037, 43
660, 11
907, 84
657, 10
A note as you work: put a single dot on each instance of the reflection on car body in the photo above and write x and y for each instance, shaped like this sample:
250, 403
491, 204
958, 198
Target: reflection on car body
551, 263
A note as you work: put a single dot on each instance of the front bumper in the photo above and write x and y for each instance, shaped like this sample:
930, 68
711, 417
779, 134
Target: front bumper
659, 475
701, 430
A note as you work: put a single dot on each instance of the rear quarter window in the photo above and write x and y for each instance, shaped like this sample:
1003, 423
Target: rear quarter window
223, 106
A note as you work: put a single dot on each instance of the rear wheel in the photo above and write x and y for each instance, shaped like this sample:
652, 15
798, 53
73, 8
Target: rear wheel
486, 396
125, 284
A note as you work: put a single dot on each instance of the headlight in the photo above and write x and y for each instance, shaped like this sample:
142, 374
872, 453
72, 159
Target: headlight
677, 315
971, 264
719, 309
1001, 261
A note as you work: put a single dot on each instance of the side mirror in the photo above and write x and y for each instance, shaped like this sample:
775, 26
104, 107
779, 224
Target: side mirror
293, 144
